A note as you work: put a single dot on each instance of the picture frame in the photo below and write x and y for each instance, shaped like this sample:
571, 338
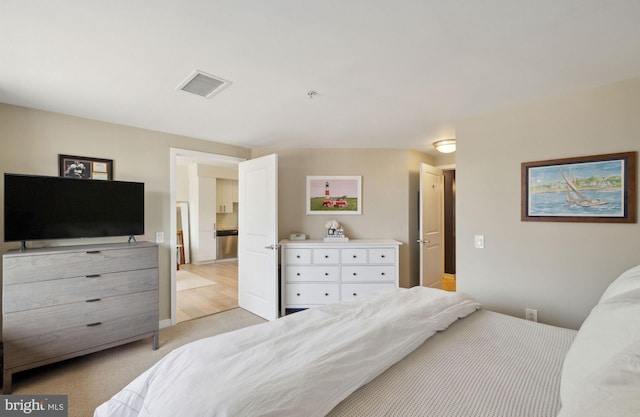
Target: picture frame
594, 189
84, 167
334, 194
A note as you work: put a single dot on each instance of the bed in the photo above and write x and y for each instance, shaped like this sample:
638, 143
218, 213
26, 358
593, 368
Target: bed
404, 352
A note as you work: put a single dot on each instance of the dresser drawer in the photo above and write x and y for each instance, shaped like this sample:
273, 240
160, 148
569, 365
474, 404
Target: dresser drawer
141, 318
312, 273
354, 291
382, 256
297, 256
354, 256
70, 290
363, 273
44, 267
326, 256
305, 294
42, 320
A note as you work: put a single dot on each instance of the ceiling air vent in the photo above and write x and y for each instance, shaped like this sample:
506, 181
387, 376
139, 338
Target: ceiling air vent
203, 84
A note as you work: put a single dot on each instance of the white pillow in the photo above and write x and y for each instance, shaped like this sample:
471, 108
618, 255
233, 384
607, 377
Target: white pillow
612, 326
627, 281
612, 390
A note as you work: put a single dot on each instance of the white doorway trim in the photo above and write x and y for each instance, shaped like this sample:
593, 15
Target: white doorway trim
174, 153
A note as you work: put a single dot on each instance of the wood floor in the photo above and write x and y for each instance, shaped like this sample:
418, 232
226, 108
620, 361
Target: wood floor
449, 282
202, 301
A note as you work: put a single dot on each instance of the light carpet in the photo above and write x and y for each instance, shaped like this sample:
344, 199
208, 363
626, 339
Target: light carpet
186, 280
92, 379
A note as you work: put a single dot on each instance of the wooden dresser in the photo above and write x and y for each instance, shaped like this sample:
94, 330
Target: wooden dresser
62, 302
315, 272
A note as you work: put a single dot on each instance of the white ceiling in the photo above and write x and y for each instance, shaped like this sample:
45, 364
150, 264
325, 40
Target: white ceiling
390, 74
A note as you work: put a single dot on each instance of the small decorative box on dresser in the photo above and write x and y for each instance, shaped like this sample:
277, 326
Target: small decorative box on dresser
62, 302
317, 273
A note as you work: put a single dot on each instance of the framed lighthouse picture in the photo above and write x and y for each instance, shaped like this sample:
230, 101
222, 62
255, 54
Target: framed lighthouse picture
334, 194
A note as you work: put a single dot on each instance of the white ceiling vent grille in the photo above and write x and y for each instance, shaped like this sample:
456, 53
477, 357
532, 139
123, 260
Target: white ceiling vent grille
203, 84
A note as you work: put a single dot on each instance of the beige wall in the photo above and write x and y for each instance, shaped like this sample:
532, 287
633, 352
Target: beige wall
558, 268
389, 192
30, 141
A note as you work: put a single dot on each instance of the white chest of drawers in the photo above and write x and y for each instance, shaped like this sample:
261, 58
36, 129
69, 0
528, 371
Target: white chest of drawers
62, 302
317, 273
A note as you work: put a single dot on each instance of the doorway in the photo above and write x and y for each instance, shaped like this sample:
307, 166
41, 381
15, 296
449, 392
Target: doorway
449, 277
437, 227
199, 286
206, 289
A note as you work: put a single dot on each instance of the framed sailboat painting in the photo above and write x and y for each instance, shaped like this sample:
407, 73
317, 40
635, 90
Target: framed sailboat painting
598, 188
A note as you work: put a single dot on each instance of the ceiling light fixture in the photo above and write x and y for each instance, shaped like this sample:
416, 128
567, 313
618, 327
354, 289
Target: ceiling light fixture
445, 146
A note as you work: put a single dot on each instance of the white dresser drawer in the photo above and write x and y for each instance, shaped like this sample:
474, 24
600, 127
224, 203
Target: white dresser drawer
354, 256
297, 256
365, 273
354, 291
326, 256
312, 273
382, 256
310, 294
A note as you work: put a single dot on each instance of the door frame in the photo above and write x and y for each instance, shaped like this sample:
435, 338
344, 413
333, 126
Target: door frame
174, 153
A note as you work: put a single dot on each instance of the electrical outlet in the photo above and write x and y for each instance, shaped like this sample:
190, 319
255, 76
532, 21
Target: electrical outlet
531, 314
159, 237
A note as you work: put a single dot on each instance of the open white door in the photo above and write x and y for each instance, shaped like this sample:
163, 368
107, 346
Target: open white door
258, 236
431, 226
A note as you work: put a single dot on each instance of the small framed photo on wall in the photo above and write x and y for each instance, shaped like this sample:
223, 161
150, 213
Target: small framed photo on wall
83, 167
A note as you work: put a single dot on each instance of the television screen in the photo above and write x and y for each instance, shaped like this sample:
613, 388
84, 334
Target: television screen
39, 207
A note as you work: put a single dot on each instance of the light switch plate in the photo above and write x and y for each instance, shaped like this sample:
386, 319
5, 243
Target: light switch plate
479, 241
159, 237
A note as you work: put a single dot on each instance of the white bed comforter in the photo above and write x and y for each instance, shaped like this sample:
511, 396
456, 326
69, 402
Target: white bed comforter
301, 365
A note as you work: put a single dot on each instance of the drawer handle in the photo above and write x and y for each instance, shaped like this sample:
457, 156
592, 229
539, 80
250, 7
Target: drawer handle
93, 300
298, 274
355, 294
382, 256
97, 323
355, 256
326, 256
298, 294
298, 256
326, 294
93, 276
355, 273
382, 273
93, 251
326, 274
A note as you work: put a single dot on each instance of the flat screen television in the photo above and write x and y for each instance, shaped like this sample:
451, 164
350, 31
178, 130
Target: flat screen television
40, 207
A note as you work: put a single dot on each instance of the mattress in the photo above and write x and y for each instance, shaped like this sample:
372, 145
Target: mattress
484, 365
